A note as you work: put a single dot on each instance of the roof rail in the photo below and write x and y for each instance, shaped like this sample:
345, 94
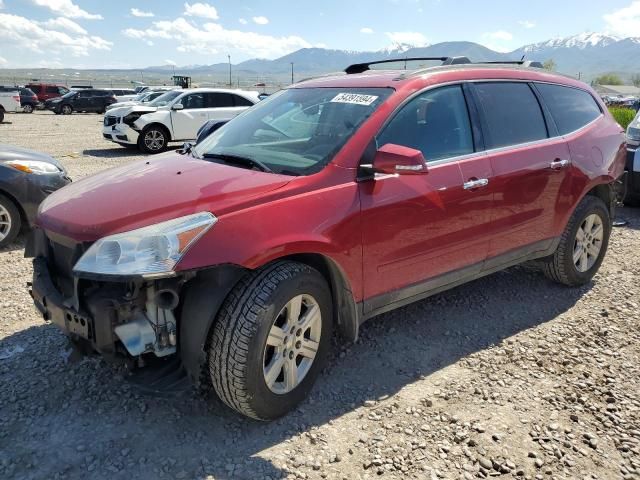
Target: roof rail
523, 63
363, 67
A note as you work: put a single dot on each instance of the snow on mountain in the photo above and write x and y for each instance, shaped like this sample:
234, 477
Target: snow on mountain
581, 41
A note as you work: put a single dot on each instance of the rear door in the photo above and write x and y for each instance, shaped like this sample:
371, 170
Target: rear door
187, 121
417, 228
82, 102
530, 163
220, 106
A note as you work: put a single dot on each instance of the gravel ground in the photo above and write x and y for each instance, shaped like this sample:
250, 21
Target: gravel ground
509, 376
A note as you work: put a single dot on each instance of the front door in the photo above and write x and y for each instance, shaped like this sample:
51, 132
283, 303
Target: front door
425, 231
187, 121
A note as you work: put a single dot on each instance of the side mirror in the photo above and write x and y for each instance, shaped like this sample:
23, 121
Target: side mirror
177, 106
396, 159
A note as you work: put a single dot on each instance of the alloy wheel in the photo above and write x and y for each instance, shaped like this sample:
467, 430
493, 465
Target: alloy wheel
5, 223
292, 344
66, 110
588, 243
154, 140
28, 108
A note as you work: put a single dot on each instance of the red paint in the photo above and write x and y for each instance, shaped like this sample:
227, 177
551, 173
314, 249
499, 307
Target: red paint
384, 234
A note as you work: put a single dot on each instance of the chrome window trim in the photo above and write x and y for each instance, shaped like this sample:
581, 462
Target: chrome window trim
491, 151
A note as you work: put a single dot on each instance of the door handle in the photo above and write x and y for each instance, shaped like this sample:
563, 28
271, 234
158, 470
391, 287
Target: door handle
477, 183
558, 164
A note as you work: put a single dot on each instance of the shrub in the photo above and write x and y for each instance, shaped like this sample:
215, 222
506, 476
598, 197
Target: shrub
624, 116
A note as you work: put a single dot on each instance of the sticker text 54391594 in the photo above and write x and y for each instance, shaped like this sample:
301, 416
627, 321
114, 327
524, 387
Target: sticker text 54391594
355, 98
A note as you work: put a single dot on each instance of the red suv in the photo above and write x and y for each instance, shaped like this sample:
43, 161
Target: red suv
47, 91
324, 205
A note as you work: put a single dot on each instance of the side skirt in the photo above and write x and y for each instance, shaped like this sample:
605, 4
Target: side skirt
386, 302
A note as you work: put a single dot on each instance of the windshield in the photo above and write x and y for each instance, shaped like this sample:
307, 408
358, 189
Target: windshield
165, 98
295, 131
69, 95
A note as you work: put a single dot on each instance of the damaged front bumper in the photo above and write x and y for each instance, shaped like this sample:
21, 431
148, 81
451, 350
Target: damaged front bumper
128, 317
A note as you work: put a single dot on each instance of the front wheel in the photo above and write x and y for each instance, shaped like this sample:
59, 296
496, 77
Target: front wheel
583, 244
66, 110
10, 221
153, 140
271, 339
28, 108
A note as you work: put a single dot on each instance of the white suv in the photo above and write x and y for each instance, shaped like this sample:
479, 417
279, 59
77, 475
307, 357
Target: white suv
173, 117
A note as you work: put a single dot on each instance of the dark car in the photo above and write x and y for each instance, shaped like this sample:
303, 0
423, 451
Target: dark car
28, 99
26, 178
90, 100
333, 201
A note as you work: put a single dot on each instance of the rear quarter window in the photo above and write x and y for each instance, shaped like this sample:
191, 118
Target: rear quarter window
241, 101
511, 112
570, 107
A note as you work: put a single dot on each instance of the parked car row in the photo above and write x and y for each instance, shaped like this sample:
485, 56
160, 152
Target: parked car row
28, 99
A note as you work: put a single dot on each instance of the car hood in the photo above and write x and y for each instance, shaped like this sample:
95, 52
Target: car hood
9, 152
125, 110
149, 191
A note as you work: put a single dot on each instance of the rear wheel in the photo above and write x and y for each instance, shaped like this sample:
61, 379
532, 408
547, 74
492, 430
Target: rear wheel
271, 339
66, 110
153, 139
1, 115
583, 244
10, 221
28, 108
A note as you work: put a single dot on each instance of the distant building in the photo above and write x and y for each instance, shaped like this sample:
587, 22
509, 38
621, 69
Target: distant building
624, 90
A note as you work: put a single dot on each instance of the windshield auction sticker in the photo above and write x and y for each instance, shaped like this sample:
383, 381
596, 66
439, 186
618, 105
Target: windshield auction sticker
354, 98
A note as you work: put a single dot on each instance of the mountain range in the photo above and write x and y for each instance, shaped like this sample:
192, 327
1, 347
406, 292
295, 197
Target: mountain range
586, 54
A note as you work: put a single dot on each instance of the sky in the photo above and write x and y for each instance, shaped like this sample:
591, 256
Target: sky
139, 33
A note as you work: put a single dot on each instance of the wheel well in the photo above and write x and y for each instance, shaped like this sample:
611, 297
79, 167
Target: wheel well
160, 125
345, 309
23, 215
605, 193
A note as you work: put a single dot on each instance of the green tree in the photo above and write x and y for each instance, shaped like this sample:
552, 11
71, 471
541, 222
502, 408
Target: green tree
549, 65
608, 79
635, 79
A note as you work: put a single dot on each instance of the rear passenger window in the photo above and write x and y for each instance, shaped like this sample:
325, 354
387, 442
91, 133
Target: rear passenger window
36, 89
571, 108
219, 100
435, 122
512, 114
51, 89
241, 101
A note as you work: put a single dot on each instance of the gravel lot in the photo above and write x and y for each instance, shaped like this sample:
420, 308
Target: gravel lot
508, 376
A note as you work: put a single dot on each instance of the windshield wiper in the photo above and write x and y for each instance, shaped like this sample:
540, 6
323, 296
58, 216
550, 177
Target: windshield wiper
252, 162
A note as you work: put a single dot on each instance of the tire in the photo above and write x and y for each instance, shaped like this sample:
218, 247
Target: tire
561, 267
160, 134
1, 115
66, 110
10, 221
238, 350
28, 108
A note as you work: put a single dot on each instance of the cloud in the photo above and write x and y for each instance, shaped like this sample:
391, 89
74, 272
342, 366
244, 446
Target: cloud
260, 20
366, 30
527, 24
496, 40
624, 21
62, 23
66, 8
22, 33
139, 13
203, 10
3, 61
2, 6
170, 62
243, 21
212, 38
415, 39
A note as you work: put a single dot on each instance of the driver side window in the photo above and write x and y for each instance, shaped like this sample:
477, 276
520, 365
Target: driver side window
435, 122
193, 100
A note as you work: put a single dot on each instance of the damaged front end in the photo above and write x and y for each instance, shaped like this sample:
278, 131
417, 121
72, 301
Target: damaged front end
123, 319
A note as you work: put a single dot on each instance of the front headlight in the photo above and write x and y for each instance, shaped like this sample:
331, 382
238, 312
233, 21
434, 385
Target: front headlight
131, 118
150, 250
33, 166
